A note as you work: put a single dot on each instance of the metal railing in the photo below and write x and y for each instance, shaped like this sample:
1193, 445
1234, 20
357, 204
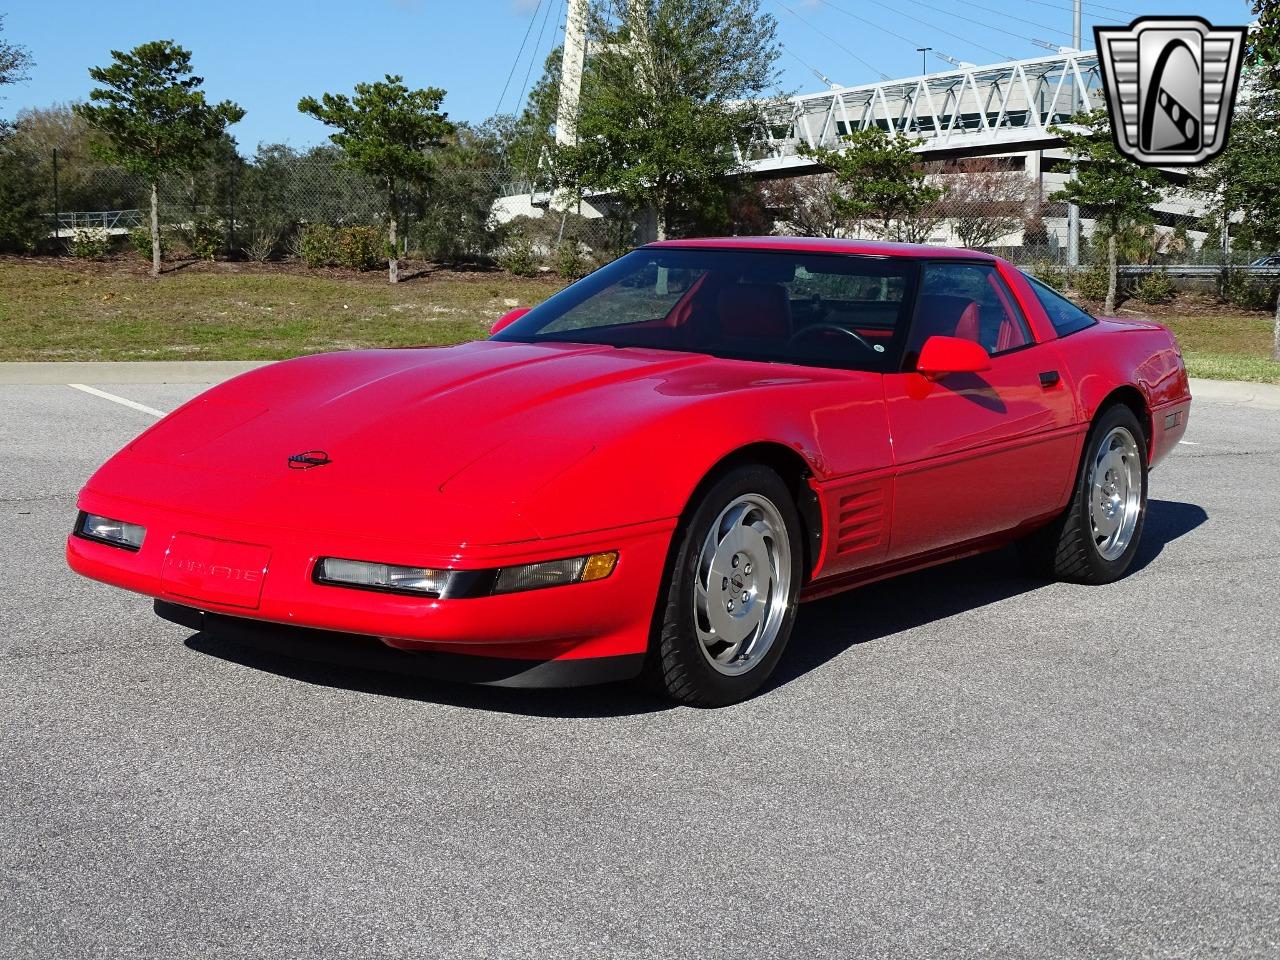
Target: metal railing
112, 221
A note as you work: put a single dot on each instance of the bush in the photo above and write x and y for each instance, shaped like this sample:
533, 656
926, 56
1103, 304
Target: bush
1090, 284
203, 240
90, 243
569, 261
519, 257
1155, 287
1248, 294
316, 244
262, 245
140, 240
358, 248
1046, 272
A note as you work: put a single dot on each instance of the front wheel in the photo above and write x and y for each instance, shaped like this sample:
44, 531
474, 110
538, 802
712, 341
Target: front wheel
730, 596
1096, 539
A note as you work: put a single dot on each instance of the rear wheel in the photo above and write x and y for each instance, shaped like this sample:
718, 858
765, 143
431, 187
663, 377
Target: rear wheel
730, 597
1096, 539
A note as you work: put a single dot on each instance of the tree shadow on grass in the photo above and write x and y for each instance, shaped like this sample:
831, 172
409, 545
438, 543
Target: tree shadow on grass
824, 630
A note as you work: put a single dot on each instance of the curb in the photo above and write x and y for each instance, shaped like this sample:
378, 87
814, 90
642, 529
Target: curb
1237, 392
140, 371
1263, 395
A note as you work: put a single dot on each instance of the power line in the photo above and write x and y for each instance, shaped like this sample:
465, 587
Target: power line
1010, 16
1100, 6
810, 67
955, 36
961, 16
524, 93
516, 62
866, 22
880, 73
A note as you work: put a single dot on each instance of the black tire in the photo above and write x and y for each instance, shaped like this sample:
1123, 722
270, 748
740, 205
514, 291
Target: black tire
1068, 548
678, 667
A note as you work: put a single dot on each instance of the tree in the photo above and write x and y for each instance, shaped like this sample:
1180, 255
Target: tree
670, 95
386, 132
1117, 191
1244, 180
455, 223
21, 195
530, 138
882, 182
985, 201
808, 205
15, 61
155, 117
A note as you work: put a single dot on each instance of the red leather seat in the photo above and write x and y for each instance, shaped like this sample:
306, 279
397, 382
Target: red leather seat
941, 315
754, 311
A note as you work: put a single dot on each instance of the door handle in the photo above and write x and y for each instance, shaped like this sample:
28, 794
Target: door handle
1049, 378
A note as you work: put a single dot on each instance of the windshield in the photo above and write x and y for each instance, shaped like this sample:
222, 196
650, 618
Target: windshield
827, 310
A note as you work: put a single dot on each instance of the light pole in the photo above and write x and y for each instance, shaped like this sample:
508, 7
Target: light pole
1073, 209
924, 59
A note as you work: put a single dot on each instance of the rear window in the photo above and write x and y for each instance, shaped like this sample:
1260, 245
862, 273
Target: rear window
1065, 316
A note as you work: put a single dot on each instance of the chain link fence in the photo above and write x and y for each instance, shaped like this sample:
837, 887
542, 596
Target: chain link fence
261, 209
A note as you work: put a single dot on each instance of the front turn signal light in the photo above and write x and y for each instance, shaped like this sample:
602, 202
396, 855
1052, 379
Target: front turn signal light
599, 566
554, 573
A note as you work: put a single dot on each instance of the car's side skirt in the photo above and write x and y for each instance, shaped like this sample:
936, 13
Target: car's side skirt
861, 577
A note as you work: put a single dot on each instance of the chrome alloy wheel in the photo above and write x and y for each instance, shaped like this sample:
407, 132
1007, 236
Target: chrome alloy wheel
1115, 492
742, 581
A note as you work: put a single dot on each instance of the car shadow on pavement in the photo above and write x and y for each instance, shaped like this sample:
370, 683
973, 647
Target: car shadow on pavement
824, 630
610, 700
1167, 520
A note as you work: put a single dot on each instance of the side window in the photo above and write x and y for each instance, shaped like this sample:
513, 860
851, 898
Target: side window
970, 301
647, 294
1065, 316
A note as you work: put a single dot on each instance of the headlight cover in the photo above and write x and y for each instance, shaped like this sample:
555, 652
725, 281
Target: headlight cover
461, 584
416, 581
116, 533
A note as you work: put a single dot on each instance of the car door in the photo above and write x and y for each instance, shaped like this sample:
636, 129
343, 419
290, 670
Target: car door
976, 453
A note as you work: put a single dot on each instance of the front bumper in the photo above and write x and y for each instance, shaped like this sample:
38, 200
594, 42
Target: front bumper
367, 653
603, 618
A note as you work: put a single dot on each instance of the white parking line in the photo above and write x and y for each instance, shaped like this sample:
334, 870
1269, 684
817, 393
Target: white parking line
1188, 443
133, 404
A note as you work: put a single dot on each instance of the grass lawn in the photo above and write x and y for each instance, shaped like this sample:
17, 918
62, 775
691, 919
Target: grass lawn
67, 310
1221, 343
72, 310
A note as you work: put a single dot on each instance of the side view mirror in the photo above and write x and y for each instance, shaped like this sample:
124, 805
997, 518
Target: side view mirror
942, 355
508, 318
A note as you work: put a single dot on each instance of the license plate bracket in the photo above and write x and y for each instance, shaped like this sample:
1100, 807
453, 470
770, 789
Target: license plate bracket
225, 572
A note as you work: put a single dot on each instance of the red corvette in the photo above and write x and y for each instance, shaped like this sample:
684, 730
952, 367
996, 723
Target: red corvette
645, 474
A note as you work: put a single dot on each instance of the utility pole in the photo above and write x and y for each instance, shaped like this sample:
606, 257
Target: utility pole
924, 59
1073, 209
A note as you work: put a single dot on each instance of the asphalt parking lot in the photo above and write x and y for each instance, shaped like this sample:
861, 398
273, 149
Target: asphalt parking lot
961, 762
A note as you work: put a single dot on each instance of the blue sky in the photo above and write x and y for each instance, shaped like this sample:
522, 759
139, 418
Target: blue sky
266, 55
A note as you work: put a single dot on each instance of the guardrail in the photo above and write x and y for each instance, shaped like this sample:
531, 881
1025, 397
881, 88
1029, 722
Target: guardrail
1196, 269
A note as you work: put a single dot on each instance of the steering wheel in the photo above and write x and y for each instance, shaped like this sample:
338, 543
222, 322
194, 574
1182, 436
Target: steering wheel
813, 328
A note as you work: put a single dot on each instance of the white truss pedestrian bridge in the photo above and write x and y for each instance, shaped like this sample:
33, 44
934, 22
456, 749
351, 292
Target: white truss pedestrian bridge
997, 108
969, 110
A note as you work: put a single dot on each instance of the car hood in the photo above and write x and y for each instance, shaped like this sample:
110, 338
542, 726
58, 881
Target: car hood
455, 438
